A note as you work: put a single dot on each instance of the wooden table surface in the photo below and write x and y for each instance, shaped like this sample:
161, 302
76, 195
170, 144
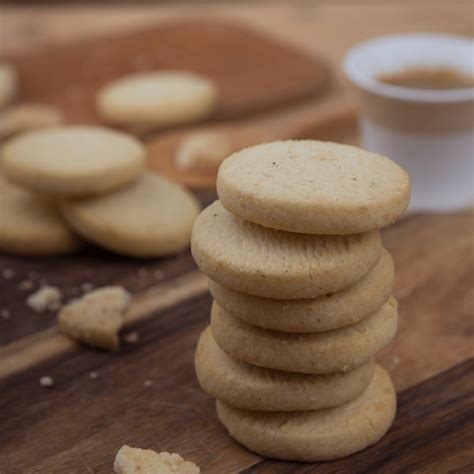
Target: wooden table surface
146, 394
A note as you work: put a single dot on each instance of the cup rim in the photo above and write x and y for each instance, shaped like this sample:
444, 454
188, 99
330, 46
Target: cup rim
369, 83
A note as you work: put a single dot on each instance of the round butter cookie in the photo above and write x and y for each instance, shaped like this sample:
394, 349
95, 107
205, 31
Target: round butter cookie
320, 435
255, 388
73, 160
157, 98
151, 217
332, 311
30, 223
274, 264
313, 187
325, 352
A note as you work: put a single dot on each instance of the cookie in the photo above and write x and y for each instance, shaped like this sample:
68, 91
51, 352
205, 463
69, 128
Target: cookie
150, 218
24, 117
73, 160
275, 264
313, 187
30, 224
157, 98
255, 388
145, 461
8, 84
325, 352
96, 318
323, 313
320, 435
203, 152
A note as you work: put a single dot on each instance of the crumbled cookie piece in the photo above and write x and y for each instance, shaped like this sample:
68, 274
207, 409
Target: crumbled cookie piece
46, 381
158, 275
24, 117
5, 313
145, 461
25, 285
86, 287
203, 151
132, 337
47, 298
96, 318
8, 273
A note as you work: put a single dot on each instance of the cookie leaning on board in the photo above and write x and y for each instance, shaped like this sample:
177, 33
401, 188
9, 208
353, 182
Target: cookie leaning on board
302, 287
90, 181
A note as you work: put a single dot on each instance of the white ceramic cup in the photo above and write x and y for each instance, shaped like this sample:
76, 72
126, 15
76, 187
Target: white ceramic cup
430, 133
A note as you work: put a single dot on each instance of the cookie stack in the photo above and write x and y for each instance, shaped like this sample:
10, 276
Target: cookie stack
302, 297
91, 182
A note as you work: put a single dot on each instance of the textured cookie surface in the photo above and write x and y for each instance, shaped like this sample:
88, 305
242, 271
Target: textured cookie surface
325, 312
157, 98
255, 388
313, 187
31, 224
325, 352
73, 160
145, 461
320, 435
259, 261
151, 217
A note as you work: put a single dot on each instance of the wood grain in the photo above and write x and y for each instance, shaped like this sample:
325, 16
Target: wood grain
85, 421
432, 433
29, 351
77, 425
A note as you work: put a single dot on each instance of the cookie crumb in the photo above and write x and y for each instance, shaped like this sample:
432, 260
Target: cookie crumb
8, 273
132, 337
6, 314
158, 275
46, 381
133, 460
148, 383
45, 298
96, 318
86, 287
25, 285
93, 375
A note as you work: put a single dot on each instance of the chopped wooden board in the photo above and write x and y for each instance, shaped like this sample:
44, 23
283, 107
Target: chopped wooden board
146, 394
78, 424
253, 73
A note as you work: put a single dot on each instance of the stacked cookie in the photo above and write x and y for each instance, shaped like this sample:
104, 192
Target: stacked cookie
302, 297
92, 182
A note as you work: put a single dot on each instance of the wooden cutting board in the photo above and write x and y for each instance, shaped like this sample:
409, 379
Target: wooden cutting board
146, 394
253, 73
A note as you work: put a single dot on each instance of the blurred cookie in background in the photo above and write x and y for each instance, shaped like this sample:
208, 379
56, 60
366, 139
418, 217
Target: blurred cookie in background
29, 116
30, 223
157, 98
